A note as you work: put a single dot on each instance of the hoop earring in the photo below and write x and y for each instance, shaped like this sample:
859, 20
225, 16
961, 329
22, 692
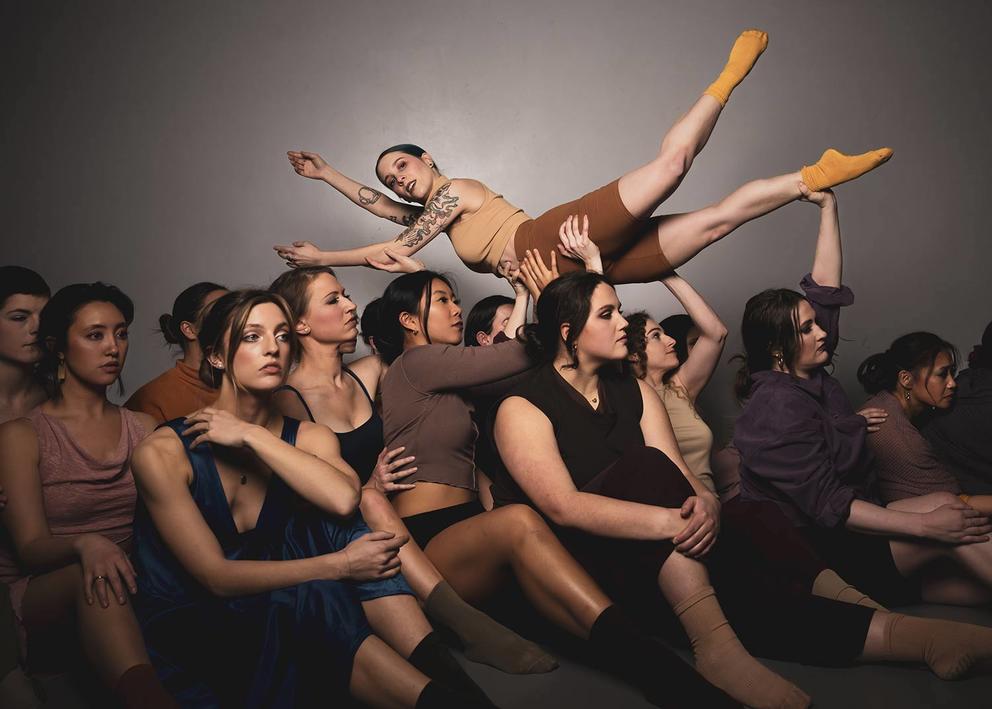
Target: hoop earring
60, 374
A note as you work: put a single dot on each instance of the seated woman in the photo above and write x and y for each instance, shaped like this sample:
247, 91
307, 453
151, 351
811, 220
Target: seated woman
23, 293
678, 368
428, 412
910, 381
180, 391
804, 448
67, 463
601, 462
324, 390
962, 435
248, 548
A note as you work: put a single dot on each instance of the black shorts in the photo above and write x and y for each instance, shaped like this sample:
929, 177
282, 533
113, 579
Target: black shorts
427, 525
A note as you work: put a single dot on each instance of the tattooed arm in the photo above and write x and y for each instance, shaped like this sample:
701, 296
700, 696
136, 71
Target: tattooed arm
313, 166
442, 209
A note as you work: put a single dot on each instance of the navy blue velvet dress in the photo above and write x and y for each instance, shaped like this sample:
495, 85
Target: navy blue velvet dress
291, 647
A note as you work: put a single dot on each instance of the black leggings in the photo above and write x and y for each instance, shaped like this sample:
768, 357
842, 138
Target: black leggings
765, 597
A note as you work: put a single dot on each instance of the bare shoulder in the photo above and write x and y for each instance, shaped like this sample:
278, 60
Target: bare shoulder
518, 411
315, 438
370, 370
470, 193
18, 438
648, 393
160, 455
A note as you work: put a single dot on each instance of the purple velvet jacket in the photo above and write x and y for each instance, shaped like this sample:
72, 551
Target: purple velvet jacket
802, 445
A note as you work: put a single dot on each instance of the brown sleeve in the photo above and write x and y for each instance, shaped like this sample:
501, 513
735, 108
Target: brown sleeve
433, 368
904, 456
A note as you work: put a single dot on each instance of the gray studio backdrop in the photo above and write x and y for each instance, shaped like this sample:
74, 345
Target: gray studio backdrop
144, 143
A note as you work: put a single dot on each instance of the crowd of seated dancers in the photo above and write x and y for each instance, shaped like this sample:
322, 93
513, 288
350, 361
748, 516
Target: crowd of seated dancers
266, 525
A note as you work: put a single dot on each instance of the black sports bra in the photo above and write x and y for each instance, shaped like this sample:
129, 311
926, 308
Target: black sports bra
361, 446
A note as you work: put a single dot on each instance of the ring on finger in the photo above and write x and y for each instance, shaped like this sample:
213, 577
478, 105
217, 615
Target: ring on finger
99, 578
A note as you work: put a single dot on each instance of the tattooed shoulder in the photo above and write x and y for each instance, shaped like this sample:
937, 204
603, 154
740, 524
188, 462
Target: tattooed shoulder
436, 212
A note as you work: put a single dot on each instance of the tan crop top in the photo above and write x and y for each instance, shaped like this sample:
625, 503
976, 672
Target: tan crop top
480, 238
695, 438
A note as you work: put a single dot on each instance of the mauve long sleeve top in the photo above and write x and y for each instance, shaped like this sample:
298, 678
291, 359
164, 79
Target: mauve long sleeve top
427, 404
801, 442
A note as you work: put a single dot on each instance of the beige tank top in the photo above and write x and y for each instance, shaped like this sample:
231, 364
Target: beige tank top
480, 238
694, 436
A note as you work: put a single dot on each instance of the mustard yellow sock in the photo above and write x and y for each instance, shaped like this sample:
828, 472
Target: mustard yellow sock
828, 584
834, 168
724, 662
745, 52
950, 649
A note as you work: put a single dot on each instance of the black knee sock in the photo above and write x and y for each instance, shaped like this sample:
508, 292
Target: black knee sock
437, 696
435, 660
664, 678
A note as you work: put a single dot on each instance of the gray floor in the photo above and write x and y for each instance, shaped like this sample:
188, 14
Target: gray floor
865, 687
578, 686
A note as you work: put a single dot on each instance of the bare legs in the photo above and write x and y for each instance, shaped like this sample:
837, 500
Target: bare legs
974, 559
648, 186
643, 189
482, 639
682, 236
110, 637
477, 555
418, 570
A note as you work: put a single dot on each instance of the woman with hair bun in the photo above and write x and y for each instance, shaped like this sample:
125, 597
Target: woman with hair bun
909, 381
179, 390
962, 435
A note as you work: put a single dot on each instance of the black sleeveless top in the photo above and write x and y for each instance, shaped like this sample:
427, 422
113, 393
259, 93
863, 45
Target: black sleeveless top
589, 440
361, 446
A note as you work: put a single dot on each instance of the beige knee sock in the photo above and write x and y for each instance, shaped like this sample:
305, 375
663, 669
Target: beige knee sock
724, 662
484, 639
829, 585
745, 52
950, 649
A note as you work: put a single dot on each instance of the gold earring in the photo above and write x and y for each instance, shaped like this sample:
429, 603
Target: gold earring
60, 374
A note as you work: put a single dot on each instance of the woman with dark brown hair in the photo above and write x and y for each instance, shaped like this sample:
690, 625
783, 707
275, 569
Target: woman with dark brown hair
260, 586
179, 390
323, 389
68, 465
490, 235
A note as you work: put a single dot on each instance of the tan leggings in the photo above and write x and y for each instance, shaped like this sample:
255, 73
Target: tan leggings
628, 246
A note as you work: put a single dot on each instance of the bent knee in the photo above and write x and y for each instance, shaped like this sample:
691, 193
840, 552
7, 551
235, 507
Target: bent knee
525, 521
673, 162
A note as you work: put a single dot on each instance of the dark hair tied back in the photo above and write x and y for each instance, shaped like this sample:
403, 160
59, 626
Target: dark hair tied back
566, 299
913, 352
410, 293
188, 307
406, 148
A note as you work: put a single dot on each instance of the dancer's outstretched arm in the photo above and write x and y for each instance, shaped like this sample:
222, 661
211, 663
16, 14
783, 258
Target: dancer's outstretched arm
442, 209
313, 166
828, 262
698, 367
